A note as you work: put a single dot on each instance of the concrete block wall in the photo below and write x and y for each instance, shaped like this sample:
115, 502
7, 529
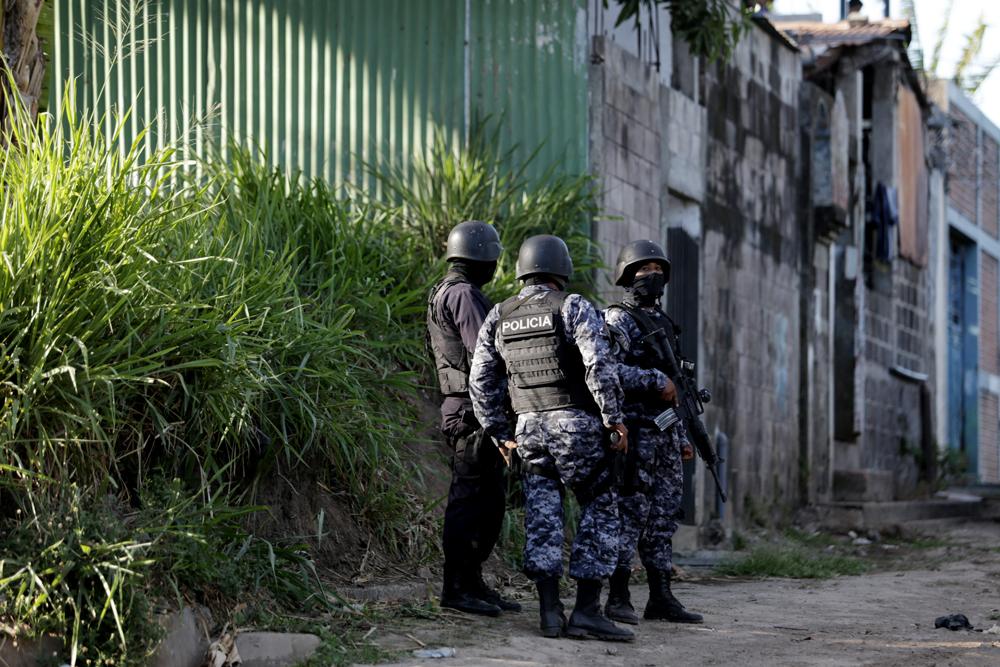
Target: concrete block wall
897, 334
625, 148
750, 255
685, 124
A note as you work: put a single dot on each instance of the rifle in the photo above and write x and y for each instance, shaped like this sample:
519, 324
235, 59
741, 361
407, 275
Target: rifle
690, 405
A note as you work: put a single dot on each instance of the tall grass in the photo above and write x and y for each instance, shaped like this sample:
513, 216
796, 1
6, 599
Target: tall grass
156, 327
482, 181
169, 343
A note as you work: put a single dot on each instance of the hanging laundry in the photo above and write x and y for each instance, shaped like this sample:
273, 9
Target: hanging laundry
885, 218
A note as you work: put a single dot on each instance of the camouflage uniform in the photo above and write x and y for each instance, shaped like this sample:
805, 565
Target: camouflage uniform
570, 441
652, 496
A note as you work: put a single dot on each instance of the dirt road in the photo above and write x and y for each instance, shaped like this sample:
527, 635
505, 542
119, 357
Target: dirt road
882, 618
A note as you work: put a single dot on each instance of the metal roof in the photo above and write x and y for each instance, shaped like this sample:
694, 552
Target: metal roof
843, 33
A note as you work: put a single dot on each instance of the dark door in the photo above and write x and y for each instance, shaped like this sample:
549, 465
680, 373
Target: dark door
682, 307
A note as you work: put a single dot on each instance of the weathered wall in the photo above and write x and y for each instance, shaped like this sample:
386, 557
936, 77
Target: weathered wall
896, 330
989, 456
973, 188
962, 174
817, 168
624, 149
713, 158
751, 255
989, 184
897, 334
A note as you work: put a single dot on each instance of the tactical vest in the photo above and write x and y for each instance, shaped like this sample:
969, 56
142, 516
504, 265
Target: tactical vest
450, 357
655, 329
545, 372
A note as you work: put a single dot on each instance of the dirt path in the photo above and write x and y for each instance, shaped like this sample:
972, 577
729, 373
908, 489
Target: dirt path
881, 618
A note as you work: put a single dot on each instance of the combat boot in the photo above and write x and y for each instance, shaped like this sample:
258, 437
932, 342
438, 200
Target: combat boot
662, 605
455, 596
477, 586
550, 608
619, 607
587, 621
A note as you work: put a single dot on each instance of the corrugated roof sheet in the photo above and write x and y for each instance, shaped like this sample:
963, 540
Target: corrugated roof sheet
843, 32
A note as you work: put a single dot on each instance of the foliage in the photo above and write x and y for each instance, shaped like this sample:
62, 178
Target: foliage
971, 54
84, 568
712, 28
220, 332
953, 466
481, 182
168, 343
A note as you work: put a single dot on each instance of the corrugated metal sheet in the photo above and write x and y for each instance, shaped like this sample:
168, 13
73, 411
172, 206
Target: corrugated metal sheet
529, 64
322, 85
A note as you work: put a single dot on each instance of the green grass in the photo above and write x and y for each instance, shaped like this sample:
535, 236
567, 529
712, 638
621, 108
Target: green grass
791, 561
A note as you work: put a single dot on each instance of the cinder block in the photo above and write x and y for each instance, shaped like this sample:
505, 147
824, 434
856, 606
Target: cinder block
275, 649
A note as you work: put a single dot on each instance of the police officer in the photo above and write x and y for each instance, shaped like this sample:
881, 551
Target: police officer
474, 514
549, 352
654, 479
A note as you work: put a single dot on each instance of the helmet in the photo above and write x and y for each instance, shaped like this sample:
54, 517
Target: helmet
634, 255
474, 240
544, 254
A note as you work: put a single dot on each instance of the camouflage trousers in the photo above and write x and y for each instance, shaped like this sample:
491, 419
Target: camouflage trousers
649, 516
572, 443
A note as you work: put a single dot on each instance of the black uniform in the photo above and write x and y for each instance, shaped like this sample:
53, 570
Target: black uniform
476, 499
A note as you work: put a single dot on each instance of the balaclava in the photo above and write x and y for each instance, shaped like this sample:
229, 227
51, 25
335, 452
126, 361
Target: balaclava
647, 290
477, 273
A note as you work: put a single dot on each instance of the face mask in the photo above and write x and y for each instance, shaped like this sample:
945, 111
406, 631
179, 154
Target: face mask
478, 273
649, 288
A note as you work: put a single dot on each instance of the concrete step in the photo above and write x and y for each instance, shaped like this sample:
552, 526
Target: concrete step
879, 515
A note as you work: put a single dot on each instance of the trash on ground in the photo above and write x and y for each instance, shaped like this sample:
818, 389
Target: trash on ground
953, 622
443, 652
222, 652
994, 630
861, 541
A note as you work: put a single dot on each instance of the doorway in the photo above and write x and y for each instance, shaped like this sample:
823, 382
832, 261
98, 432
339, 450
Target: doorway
963, 349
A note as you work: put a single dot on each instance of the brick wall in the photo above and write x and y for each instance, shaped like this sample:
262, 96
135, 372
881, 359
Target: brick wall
750, 301
989, 184
989, 362
989, 461
988, 348
962, 168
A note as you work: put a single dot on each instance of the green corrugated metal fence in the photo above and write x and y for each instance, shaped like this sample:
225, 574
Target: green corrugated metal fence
323, 85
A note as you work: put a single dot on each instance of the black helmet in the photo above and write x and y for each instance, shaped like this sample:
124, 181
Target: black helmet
634, 255
544, 254
474, 240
